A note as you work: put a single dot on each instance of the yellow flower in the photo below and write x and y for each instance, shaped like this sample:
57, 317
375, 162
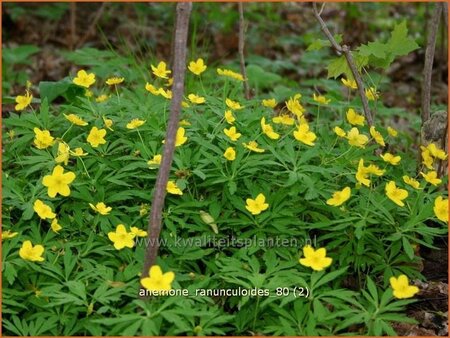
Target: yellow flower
377, 136
253, 146
389, 158
114, 81
197, 67
315, 259
234, 105
411, 181
42, 139
230, 74
145, 208
354, 118
63, 153
84, 79
157, 282
283, 119
392, 131
232, 133
356, 139
441, 208
431, 177
88, 93
257, 205
161, 70
349, 83
371, 94
43, 210
230, 154
269, 103
96, 137
303, 134
23, 101
395, 194
339, 132
436, 152
185, 123
101, 208
184, 104
180, 138
229, 117
362, 174
55, 226
102, 98
294, 105
373, 169
78, 152
169, 82
7, 234
155, 161
136, 232
121, 238
58, 182
321, 99
173, 189
427, 159
75, 119
340, 197
196, 99
152, 89
31, 253
401, 287
108, 122
166, 93
135, 123
268, 130
11, 133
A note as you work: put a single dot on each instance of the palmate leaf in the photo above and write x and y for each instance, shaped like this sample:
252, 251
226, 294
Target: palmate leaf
383, 54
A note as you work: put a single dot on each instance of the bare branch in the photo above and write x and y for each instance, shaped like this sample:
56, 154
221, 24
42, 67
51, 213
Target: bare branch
359, 83
326, 31
429, 58
445, 13
73, 24
183, 10
351, 63
241, 50
91, 28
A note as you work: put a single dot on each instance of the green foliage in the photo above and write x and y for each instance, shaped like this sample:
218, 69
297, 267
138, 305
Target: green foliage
210, 240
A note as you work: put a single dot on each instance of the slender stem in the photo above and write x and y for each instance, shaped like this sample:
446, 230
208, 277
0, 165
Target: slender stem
351, 63
241, 50
429, 57
183, 11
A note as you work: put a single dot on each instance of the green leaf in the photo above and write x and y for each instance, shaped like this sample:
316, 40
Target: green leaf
400, 43
320, 43
51, 90
408, 248
338, 67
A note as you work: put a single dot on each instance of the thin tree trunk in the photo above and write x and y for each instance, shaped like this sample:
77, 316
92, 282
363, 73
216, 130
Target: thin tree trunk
432, 28
241, 50
183, 11
351, 63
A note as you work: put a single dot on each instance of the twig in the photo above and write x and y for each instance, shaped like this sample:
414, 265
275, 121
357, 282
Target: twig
351, 63
73, 24
94, 22
183, 11
429, 57
241, 50
445, 13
